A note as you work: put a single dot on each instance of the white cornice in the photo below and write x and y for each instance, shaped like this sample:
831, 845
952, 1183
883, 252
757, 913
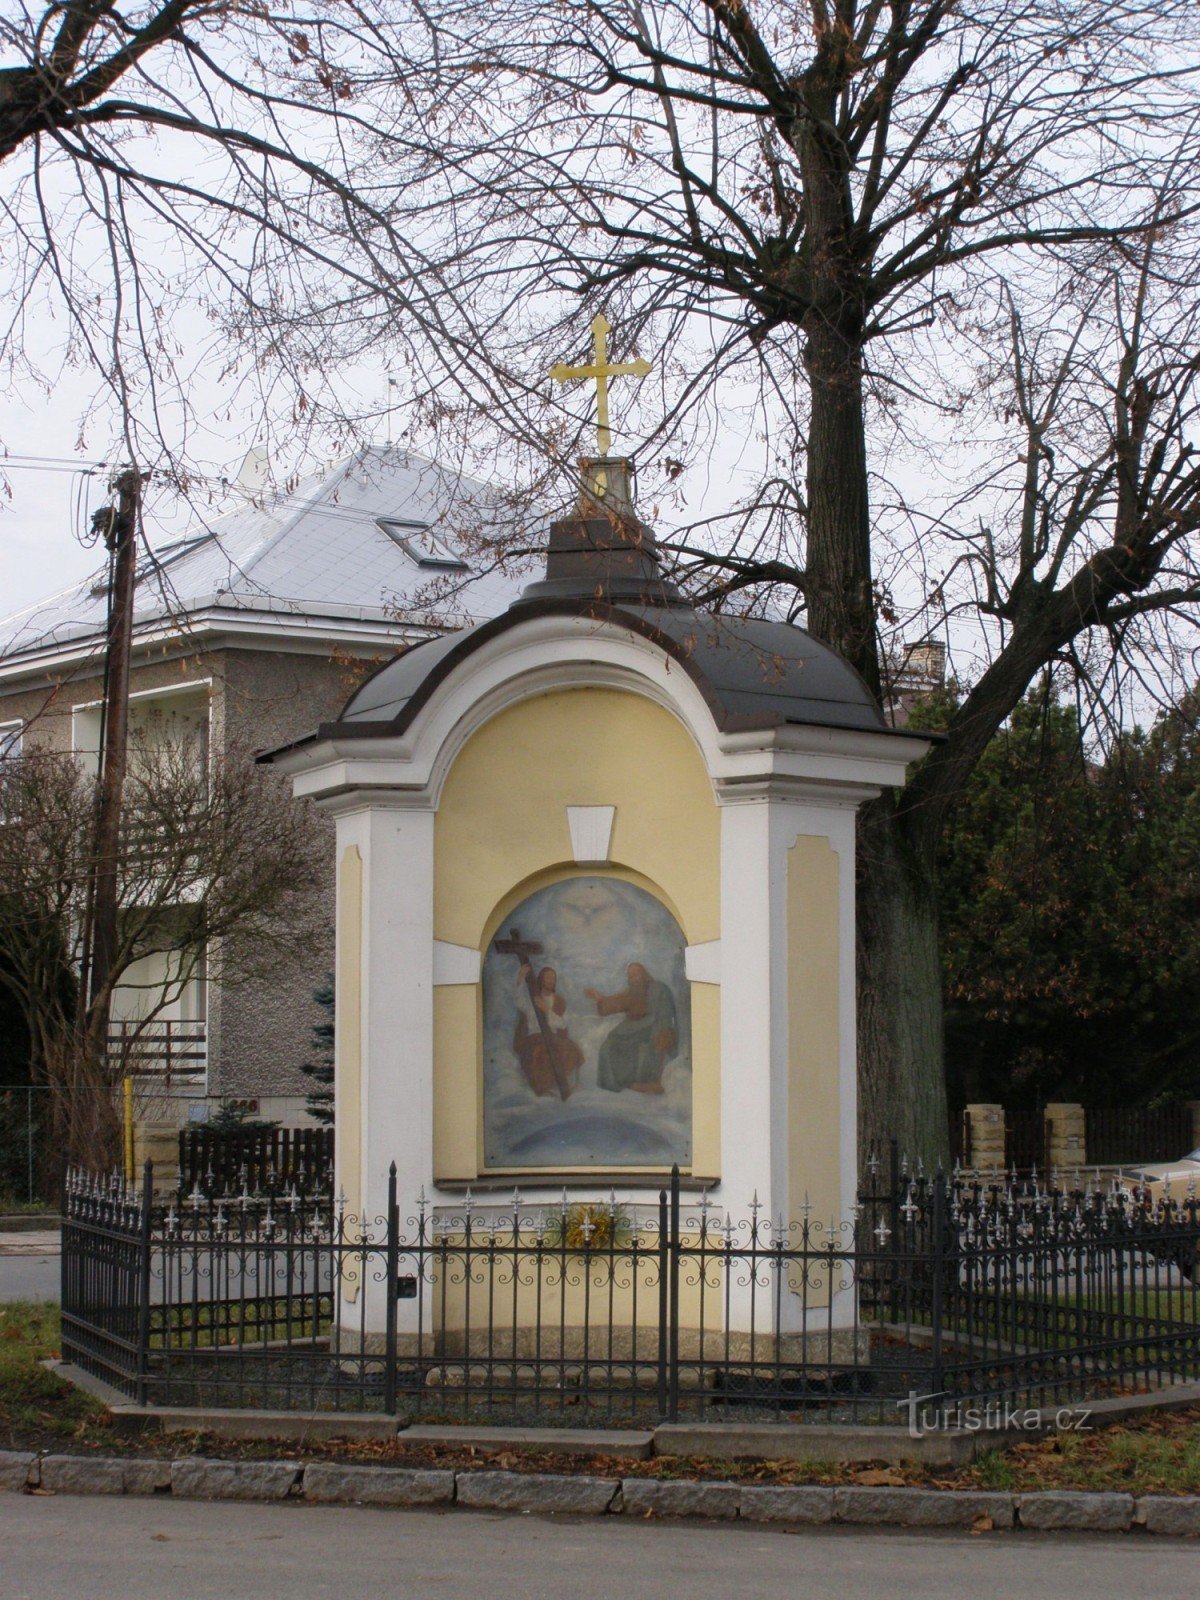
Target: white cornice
218, 628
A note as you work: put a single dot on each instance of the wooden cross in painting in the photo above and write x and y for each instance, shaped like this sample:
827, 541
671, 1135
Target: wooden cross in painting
524, 949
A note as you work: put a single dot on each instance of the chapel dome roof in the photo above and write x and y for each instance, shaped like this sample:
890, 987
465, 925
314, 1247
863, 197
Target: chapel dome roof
603, 566
753, 673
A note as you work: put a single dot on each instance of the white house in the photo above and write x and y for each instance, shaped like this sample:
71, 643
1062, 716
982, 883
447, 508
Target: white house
248, 630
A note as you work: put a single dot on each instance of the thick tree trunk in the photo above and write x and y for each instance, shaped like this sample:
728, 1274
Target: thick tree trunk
901, 1078
841, 610
901, 1074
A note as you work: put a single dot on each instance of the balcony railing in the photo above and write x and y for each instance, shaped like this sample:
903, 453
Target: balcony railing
147, 848
171, 1053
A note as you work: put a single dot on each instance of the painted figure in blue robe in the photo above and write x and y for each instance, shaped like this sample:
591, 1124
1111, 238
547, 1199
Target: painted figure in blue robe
637, 1050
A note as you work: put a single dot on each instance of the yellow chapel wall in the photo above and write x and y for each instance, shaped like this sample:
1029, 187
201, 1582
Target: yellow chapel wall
814, 1033
501, 831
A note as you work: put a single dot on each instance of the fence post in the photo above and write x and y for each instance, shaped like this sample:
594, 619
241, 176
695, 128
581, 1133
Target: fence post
984, 1136
145, 1242
1066, 1136
29, 1139
67, 1268
393, 1289
937, 1375
663, 1302
673, 1370
893, 1222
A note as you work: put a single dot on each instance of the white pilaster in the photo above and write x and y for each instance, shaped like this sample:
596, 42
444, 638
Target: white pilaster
396, 844
756, 836
749, 1087
836, 824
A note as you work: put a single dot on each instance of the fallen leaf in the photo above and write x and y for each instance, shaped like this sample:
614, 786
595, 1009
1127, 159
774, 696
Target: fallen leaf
879, 1478
982, 1524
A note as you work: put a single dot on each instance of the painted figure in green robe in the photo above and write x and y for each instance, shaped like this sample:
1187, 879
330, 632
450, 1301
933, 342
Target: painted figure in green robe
638, 1048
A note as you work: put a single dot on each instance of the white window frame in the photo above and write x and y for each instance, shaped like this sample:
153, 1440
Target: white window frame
170, 691
423, 545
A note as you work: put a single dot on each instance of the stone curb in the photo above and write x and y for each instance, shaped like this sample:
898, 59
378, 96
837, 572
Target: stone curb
922, 1508
796, 1503
331, 1483
536, 1491
197, 1478
1164, 1513
18, 1470
657, 1497
327, 1482
1072, 1508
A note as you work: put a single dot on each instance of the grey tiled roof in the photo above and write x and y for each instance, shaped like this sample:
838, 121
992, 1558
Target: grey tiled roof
317, 553
754, 674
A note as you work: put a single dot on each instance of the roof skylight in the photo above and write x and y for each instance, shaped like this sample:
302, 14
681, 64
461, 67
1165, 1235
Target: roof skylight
422, 545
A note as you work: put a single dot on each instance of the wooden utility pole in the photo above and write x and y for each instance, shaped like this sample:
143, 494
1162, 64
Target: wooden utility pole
120, 536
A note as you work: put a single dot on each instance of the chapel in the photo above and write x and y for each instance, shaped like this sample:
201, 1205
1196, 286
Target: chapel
595, 893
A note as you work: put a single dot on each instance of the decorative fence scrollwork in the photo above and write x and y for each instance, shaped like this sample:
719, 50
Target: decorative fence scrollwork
935, 1290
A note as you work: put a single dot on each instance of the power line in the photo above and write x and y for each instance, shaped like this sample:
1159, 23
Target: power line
9, 465
64, 461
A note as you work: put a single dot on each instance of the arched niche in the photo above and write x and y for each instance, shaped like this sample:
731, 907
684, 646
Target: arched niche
593, 1069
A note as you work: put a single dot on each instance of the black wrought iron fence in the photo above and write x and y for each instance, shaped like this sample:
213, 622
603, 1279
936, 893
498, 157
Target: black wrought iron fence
107, 1261
935, 1293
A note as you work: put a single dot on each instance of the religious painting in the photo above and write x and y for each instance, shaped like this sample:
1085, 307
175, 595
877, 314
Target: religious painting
587, 1032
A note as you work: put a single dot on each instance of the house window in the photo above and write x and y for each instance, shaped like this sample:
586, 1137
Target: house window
12, 738
422, 545
176, 718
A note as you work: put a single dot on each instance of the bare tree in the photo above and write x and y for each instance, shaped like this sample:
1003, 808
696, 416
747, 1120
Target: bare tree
187, 187
214, 865
928, 265
851, 224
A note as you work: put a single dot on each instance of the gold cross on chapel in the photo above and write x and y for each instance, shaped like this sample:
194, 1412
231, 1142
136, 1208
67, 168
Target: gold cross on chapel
601, 369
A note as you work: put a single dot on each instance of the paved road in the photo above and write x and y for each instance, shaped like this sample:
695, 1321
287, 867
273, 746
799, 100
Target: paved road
75, 1549
29, 1267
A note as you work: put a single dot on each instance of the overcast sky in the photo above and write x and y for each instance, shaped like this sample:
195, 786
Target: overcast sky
40, 552
46, 511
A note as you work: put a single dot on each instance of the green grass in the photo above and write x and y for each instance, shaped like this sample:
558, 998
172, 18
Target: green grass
33, 1401
1157, 1455
1114, 1322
